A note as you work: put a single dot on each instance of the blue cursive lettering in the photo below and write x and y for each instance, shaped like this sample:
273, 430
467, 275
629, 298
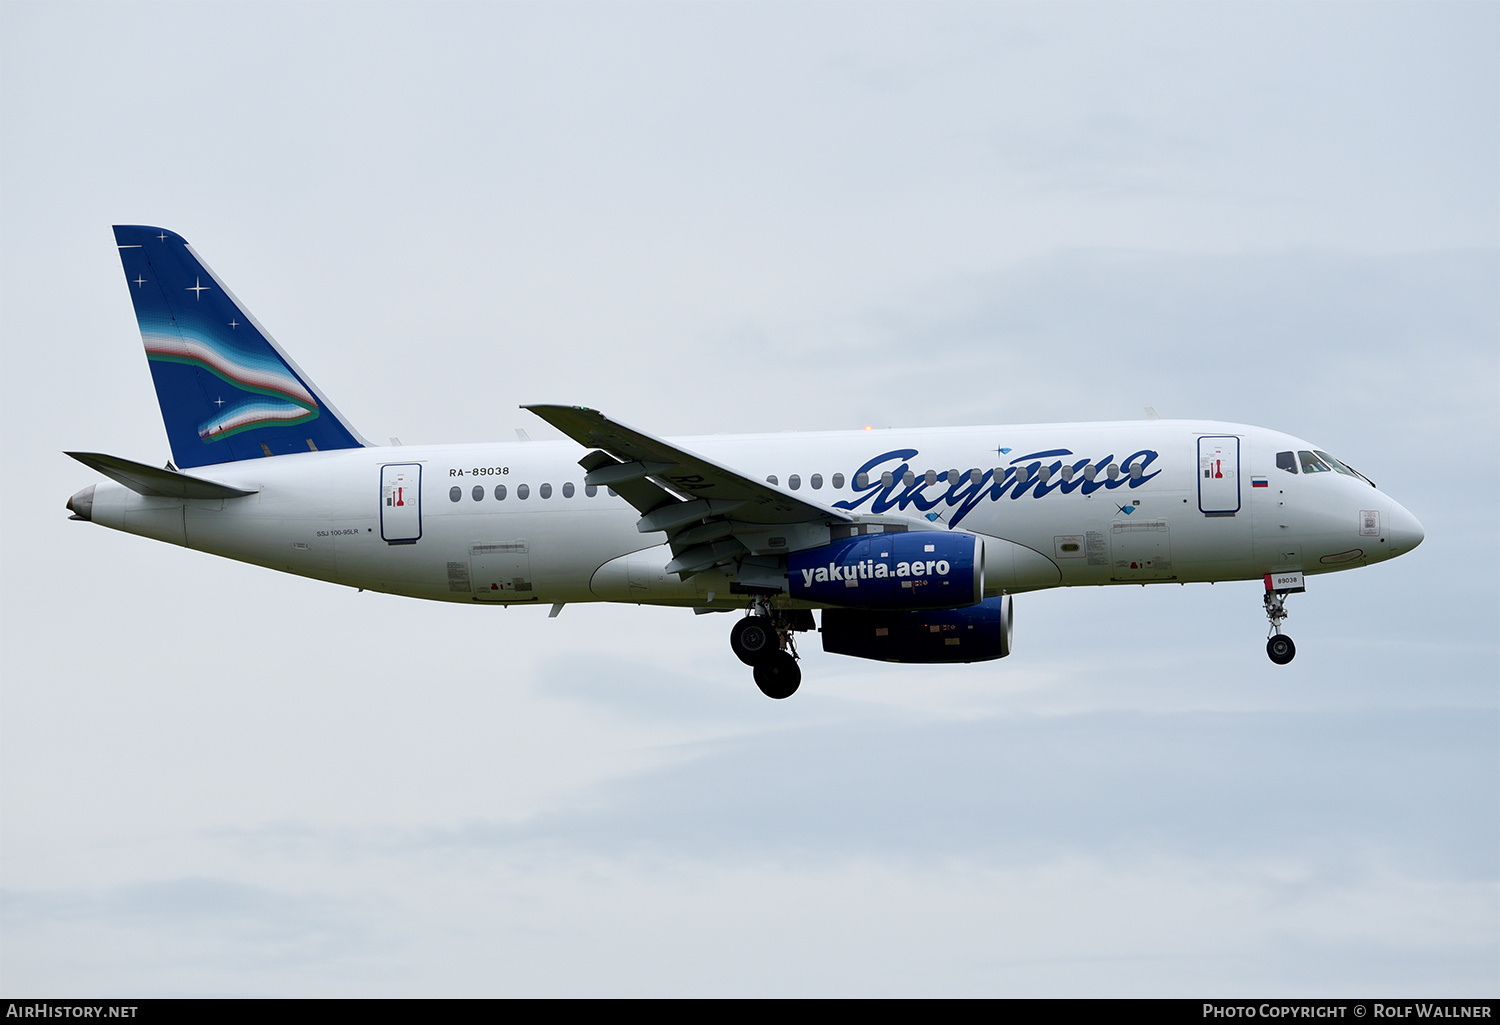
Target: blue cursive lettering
1024, 476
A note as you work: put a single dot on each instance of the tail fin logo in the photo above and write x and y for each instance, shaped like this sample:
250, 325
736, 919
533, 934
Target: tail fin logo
278, 399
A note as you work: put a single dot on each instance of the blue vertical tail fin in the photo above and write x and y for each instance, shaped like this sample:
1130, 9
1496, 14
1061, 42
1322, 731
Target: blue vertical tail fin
226, 389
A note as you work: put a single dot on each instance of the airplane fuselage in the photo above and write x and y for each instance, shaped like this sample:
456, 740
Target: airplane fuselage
514, 523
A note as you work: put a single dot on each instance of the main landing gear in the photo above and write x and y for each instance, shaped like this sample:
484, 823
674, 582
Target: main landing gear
763, 640
1279, 647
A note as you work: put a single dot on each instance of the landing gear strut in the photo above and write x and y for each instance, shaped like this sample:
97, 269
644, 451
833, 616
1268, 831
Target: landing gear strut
1279, 647
764, 641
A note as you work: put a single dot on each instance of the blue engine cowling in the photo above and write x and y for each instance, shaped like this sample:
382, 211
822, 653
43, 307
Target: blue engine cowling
974, 634
919, 569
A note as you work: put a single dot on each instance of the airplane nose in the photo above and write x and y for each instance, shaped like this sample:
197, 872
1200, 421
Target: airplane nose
1405, 533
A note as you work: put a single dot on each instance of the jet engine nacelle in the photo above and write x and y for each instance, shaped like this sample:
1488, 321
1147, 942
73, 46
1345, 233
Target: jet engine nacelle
919, 569
974, 634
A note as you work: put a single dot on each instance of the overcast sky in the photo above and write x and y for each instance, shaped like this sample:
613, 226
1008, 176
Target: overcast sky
219, 780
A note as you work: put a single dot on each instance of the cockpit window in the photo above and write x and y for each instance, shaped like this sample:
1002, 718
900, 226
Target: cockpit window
1311, 463
1286, 461
1341, 468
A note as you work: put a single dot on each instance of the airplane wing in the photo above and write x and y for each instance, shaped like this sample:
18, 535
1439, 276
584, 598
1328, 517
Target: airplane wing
688, 474
705, 508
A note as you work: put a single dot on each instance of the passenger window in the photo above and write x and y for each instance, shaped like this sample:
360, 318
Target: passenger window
929, 478
545, 490
478, 492
1112, 471
862, 480
1135, 471
1067, 475
772, 479
1311, 463
908, 478
612, 492
975, 476
1090, 471
523, 492
816, 482
499, 492
455, 494
1045, 473
591, 490
1286, 461
887, 479
838, 480
952, 476
568, 490
794, 482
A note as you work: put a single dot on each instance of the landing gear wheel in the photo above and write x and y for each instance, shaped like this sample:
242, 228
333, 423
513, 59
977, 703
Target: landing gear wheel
778, 676
754, 640
1281, 649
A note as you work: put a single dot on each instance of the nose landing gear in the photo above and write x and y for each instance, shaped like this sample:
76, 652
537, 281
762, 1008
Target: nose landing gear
763, 640
1279, 647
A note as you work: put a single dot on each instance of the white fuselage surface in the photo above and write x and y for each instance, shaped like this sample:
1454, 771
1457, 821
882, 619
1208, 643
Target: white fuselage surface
515, 522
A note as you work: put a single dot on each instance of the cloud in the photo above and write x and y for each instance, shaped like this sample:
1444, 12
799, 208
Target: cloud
1016, 790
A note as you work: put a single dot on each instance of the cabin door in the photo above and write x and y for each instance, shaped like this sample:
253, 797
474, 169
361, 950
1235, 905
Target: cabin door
401, 503
1219, 475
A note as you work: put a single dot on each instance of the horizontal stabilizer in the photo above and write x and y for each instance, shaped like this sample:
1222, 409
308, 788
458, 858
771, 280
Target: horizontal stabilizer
154, 482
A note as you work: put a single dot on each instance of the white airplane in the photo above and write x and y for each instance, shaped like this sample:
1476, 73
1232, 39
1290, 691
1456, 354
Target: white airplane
910, 542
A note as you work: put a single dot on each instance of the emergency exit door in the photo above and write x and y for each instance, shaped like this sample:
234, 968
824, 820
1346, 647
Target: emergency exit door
1219, 475
401, 503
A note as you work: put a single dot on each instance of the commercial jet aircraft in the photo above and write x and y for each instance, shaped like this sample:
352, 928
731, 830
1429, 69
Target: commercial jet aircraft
911, 543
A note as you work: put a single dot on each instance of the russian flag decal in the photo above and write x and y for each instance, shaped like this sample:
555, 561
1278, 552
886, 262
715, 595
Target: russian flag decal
1258, 482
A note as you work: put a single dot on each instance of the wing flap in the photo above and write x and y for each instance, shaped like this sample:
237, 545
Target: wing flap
642, 495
